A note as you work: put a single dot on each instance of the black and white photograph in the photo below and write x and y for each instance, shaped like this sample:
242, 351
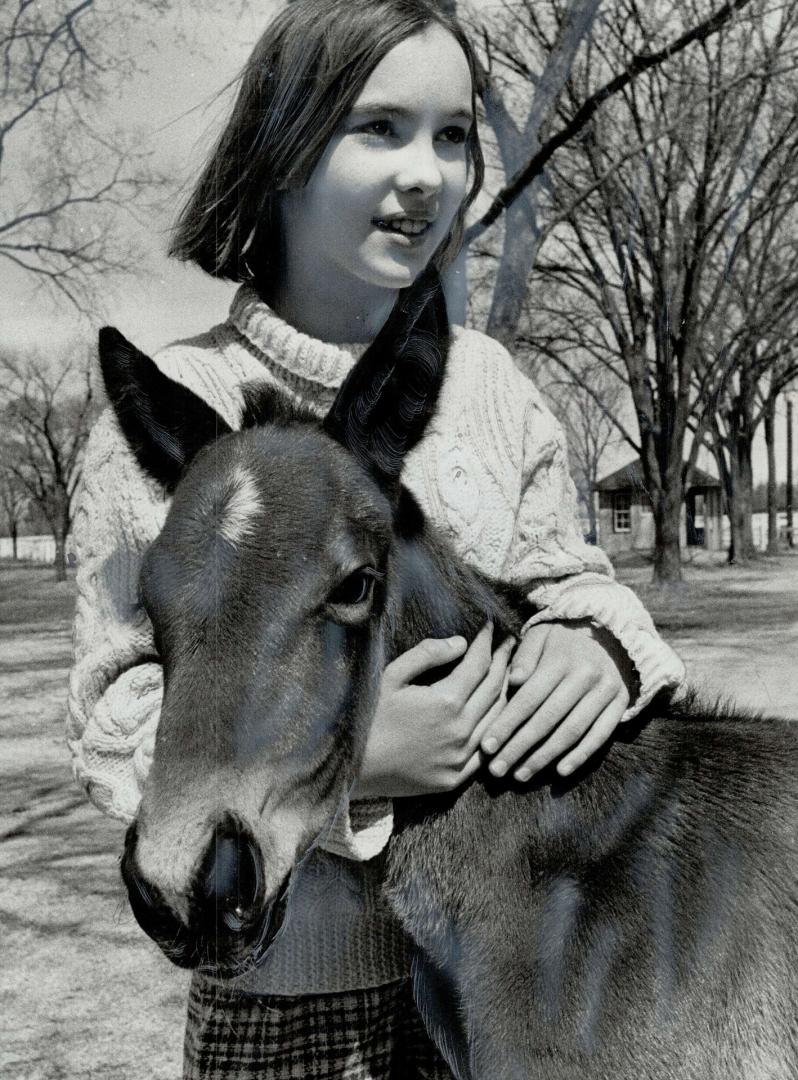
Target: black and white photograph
398, 540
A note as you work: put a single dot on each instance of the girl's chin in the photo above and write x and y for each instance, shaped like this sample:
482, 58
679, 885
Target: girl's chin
395, 273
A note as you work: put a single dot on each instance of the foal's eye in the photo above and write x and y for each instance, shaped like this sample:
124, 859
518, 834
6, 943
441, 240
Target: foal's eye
355, 589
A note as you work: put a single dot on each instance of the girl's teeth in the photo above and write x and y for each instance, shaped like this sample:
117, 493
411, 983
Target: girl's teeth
409, 228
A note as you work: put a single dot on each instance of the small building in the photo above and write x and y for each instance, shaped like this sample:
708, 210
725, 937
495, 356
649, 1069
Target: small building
626, 521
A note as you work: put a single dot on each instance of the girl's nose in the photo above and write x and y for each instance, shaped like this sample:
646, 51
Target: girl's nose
420, 169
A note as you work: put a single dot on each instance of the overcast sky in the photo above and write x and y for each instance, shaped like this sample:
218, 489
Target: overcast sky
173, 103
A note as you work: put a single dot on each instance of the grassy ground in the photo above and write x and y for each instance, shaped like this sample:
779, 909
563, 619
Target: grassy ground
82, 992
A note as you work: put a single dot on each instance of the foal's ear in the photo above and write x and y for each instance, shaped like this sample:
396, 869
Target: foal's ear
386, 401
164, 423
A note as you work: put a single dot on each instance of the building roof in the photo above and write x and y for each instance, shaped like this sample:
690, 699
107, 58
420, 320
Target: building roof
631, 476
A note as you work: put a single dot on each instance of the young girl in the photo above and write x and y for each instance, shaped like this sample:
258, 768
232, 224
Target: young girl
348, 164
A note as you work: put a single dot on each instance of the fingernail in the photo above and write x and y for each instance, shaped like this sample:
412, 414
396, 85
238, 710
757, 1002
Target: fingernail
523, 774
456, 642
498, 767
565, 769
490, 745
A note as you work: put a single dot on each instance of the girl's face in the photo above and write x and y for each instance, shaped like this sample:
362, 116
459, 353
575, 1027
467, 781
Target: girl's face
390, 182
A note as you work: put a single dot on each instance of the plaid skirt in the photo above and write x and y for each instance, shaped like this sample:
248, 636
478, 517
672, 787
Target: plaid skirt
373, 1034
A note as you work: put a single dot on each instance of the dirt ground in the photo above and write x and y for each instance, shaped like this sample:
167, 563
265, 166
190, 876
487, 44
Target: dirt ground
82, 992
736, 628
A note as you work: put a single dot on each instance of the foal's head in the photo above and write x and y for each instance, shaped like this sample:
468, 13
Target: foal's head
270, 591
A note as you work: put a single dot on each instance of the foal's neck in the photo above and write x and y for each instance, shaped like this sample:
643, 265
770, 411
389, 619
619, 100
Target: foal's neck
435, 594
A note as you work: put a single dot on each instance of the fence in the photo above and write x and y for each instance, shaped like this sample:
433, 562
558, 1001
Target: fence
39, 549
759, 528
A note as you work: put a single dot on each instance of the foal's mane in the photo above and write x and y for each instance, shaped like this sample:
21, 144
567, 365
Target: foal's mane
264, 404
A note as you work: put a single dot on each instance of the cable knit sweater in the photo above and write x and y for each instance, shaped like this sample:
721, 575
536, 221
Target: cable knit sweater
491, 472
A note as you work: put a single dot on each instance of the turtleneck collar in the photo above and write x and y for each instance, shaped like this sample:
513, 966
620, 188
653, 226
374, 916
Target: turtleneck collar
305, 357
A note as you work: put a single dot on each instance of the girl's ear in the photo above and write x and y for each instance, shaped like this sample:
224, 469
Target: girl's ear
165, 424
386, 401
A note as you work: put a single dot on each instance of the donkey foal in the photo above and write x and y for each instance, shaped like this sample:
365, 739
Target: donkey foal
636, 921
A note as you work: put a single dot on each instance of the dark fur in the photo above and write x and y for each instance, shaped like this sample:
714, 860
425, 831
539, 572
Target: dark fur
635, 921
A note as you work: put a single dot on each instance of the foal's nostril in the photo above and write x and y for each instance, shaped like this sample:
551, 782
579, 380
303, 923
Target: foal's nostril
231, 881
151, 911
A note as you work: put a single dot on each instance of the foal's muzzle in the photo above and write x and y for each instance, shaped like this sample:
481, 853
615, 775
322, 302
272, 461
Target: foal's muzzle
230, 922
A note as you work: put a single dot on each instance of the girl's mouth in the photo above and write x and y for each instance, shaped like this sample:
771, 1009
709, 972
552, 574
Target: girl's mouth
408, 231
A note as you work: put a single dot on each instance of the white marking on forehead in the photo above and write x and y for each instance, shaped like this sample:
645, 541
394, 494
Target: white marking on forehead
241, 507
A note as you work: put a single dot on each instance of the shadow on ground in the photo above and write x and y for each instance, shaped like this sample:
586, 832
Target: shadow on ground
83, 993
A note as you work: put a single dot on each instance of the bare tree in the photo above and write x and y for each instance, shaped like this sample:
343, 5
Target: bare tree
530, 49
68, 176
756, 326
14, 501
654, 236
47, 414
587, 410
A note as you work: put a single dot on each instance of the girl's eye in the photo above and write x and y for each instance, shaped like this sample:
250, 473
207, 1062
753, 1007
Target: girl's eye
355, 589
454, 134
378, 127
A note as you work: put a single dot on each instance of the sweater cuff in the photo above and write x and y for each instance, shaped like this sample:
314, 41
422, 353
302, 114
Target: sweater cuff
360, 829
112, 750
617, 609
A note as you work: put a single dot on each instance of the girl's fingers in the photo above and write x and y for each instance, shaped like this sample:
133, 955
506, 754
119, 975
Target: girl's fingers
461, 683
527, 700
558, 705
573, 726
486, 694
488, 718
471, 766
428, 654
528, 653
595, 737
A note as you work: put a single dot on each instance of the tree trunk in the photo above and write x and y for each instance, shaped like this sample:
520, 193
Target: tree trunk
521, 242
591, 516
61, 525
788, 493
667, 539
742, 496
14, 535
455, 289
522, 234
773, 507
60, 556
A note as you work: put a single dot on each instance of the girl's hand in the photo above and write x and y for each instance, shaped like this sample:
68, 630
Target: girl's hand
425, 739
574, 684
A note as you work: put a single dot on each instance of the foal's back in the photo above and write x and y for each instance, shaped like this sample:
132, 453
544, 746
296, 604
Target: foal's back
639, 921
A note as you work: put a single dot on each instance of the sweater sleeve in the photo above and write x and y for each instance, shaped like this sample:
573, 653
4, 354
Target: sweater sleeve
116, 683
565, 577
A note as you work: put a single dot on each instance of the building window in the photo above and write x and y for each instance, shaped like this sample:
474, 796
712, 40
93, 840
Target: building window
622, 511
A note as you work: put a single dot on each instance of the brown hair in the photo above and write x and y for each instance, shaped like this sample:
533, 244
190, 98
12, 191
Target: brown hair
300, 82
